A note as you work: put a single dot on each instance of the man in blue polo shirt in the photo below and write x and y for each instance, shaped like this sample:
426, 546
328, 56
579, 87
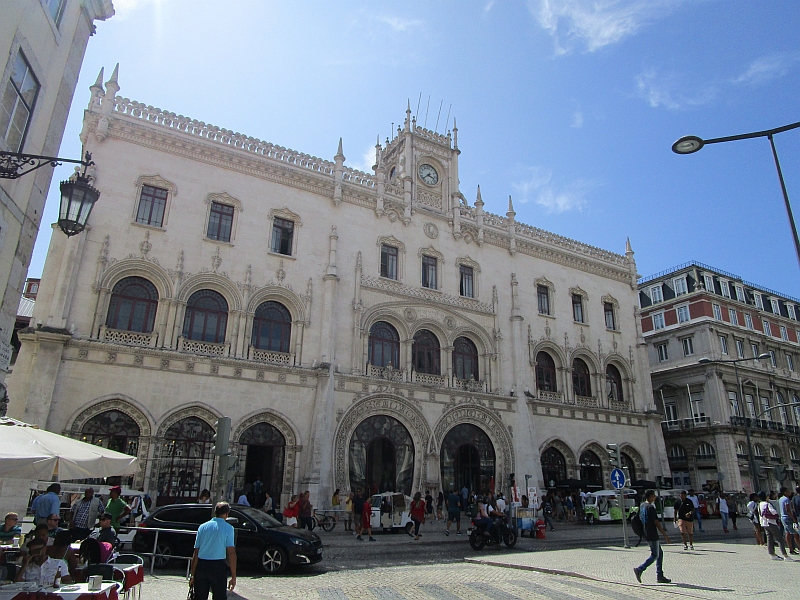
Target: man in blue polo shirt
212, 546
47, 504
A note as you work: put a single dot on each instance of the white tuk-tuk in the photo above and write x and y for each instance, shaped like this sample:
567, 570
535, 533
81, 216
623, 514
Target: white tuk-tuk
390, 512
604, 506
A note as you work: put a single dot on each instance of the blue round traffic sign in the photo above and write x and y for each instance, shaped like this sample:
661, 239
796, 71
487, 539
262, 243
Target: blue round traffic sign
618, 479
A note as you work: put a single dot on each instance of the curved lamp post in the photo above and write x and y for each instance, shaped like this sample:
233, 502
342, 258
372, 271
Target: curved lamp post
690, 144
734, 361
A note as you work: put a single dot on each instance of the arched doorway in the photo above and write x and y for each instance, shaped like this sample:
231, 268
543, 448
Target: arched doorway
591, 470
115, 430
264, 449
467, 459
187, 461
630, 466
381, 456
554, 467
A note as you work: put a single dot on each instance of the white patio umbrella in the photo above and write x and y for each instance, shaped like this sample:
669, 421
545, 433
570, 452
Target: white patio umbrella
29, 452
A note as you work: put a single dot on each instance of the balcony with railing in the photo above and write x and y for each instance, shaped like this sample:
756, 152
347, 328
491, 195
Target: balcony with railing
587, 401
428, 379
128, 338
554, 397
760, 424
275, 358
685, 424
388, 372
207, 348
469, 385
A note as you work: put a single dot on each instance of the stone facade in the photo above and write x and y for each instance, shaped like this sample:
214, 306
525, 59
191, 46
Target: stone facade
369, 329
694, 313
50, 37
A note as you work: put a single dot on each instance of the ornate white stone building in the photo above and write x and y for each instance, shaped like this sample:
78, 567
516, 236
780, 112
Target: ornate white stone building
359, 329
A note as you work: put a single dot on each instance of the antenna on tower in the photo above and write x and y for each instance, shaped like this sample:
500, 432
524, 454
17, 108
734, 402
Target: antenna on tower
439, 114
448, 117
426, 112
416, 115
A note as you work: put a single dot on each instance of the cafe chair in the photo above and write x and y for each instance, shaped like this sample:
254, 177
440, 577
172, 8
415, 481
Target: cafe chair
127, 559
102, 569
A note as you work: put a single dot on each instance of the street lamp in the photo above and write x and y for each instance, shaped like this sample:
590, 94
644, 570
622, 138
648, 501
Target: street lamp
735, 361
77, 200
691, 143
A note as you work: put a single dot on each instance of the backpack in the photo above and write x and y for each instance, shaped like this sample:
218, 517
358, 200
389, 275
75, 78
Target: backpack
637, 525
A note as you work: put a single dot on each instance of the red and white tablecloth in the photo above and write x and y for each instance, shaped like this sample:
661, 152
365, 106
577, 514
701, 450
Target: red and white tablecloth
133, 575
18, 592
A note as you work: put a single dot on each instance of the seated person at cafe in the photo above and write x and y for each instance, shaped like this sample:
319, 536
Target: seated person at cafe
10, 529
42, 533
107, 533
61, 550
38, 567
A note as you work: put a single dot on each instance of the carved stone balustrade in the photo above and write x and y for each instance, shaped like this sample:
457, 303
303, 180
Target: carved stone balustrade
555, 397
470, 385
428, 379
614, 405
589, 401
128, 338
388, 372
277, 358
207, 348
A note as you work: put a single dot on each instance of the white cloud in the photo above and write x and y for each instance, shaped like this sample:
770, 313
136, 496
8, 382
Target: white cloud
577, 119
672, 91
595, 23
488, 6
123, 8
400, 24
766, 68
365, 162
537, 186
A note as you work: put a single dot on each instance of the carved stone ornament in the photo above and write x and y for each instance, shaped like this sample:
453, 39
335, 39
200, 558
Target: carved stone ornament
157, 181
145, 246
450, 323
410, 314
224, 198
431, 230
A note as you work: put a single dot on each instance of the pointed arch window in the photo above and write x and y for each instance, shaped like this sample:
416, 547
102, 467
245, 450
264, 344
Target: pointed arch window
545, 373
133, 305
614, 384
554, 467
384, 345
465, 359
581, 380
591, 469
425, 353
272, 327
206, 317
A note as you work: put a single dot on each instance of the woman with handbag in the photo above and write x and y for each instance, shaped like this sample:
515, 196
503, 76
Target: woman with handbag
417, 513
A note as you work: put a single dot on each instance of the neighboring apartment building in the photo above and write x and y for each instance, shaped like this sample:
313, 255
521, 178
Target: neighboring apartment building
359, 329
694, 312
42, 44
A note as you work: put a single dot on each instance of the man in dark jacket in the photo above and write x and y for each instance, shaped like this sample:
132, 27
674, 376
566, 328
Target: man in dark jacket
652, 526
684, 515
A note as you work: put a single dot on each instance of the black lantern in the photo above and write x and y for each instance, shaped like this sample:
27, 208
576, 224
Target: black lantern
77, 200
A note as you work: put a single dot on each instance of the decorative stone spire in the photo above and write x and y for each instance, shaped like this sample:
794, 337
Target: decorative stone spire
631, 263
338, 169
112, 85
455, 135
512, 228
407, 124
515, 314
377, 153
97, 90
628, 248
479, 216
334, 239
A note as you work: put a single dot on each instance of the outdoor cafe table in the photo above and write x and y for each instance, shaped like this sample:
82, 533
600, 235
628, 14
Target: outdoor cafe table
23, 591
133, 575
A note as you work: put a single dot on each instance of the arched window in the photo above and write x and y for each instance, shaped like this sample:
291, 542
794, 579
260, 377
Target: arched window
465, 359
187, 461
705, 451
554, 467
545, 373
467, 459
591, 469
114, 430
796, 409
793, 454
677, 452
425, 353
134, 301
628, 464
581, 381
775, 453
272, 327
381, 456
614, 384
384, 345
741, 450
206, 317
758, 451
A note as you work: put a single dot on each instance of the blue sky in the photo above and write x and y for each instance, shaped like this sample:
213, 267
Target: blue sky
569, 106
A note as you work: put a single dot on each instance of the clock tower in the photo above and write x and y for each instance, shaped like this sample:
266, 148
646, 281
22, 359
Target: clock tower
417, 170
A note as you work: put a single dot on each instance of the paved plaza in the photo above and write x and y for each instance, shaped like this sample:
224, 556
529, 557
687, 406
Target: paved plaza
439, 568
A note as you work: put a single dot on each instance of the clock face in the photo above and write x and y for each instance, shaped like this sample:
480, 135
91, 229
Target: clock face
428, 174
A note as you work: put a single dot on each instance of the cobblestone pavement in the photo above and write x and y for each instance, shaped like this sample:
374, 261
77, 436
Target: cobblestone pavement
736, 568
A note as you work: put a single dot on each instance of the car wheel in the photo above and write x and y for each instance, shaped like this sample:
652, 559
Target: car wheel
510, 538
590, 518
274, 560
477, 540
409, 527
328, 524
164, 552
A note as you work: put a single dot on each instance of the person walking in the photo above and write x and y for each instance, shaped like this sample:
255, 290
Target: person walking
440, 506
649, 517
547, 511
267, 508
752, 515
358, 513
696, 501
769, 521
464, 498
291, 511
366, 519
722, 504
116, 507
684, 515
306, 510
453, 512
46, 504
789, 520
428, 504
84, 515
417, 513
214, 546
348, 512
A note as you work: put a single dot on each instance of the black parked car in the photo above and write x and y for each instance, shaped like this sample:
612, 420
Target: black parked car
259, 537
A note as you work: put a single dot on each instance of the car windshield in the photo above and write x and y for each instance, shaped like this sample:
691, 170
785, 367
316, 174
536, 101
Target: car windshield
259, 517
